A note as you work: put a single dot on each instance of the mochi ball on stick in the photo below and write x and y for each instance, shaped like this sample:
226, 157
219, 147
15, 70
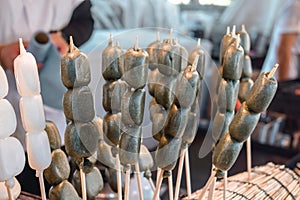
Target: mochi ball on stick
32, 113
12, 157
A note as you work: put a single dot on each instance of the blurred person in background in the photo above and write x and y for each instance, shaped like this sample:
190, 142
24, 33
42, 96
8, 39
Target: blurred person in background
284, 46
127, 14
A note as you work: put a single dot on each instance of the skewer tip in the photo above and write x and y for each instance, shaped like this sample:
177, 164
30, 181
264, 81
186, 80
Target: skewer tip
198, 43
243, 28
22, 48
136, 42
72, 47
233, 31
237, 41
110, 42
228, 30
273, 71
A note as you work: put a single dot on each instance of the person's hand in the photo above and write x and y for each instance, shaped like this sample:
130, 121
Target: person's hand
59, 42
8, 53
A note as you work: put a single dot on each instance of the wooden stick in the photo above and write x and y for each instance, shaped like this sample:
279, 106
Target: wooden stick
9, 187
21, 46
127, 183
273, 70
170, 185
198, 43
243, 27
158, 185
42, 185
228, 30
83, 183
194, 195
119, 181
237, 41
71, 44
9, 193
187, 174
249, 160
225, 184
151, 184
111, 40
179, 174
233, 32
137, 169
208, 183
157, 175
136, 45
212, 189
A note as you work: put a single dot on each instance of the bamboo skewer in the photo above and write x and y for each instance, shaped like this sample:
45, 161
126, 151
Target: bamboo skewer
137, 168
249, 161
170, 186
157, 175
212, 189
9, 190
151, 184
208, 183
179, 174
187, 173
10, 195
225, 184
127, 183
82, 180
158, 185
119, 181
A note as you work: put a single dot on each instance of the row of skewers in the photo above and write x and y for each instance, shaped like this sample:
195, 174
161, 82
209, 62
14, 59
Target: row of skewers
174, 117
231, 130
174, 81
124, 99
